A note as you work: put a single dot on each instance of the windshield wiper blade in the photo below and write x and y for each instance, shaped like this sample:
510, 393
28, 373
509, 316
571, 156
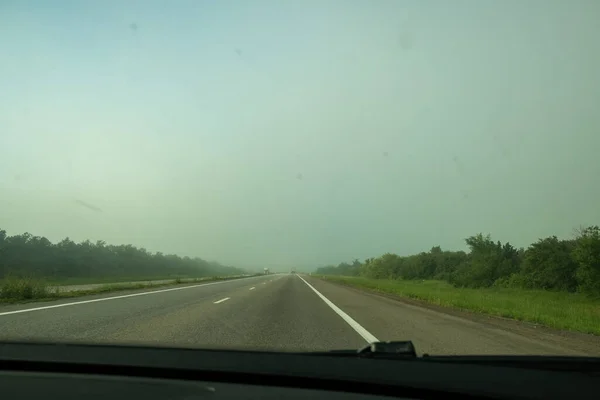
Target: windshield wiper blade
395, 349
392, 350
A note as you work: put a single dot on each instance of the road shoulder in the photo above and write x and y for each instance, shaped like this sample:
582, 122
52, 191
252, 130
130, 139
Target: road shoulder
418, 320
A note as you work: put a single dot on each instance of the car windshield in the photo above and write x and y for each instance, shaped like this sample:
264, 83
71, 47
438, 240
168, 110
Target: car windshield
302, 175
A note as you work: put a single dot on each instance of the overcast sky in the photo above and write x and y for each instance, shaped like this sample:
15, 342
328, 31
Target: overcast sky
279, 133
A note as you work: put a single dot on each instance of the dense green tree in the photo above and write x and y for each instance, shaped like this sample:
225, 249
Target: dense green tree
26, 254
548, 264
587, 255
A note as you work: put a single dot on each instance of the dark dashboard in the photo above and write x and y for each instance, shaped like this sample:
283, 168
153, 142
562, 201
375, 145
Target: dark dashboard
16, 385
69, 371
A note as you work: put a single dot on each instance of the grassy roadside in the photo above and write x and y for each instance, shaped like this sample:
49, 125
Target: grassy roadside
25, 290
560, 310
112, 279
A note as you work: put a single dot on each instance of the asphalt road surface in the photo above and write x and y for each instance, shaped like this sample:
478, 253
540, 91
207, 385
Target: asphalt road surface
277, 312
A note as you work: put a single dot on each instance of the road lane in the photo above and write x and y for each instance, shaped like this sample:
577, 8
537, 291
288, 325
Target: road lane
276, 312
281, 312
92, 317
284, 314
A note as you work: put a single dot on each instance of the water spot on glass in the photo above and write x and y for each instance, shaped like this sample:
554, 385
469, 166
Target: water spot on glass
88, 206
405, 40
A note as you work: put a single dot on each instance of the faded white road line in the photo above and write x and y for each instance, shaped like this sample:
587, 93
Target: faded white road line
353, 324
114, 297
222, 300
252, 288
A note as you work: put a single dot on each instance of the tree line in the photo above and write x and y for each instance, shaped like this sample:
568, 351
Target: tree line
28, 255
571, 265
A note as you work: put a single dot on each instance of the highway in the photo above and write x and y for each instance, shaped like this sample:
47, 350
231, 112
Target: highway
276, 312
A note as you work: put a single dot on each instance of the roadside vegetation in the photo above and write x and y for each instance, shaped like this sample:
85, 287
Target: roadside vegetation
553, 282
31, 267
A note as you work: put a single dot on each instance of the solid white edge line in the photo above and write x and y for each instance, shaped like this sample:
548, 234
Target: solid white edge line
353, 324
115, 297
222, 300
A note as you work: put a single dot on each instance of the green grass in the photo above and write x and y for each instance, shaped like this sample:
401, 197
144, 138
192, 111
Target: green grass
560, 310
23, 290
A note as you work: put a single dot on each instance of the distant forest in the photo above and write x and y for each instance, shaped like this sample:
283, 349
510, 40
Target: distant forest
571, 265
28, 255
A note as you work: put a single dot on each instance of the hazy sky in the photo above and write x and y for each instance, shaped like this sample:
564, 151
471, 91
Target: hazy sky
278, 133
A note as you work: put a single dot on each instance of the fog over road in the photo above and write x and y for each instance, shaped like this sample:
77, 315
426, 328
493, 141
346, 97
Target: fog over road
279, 312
